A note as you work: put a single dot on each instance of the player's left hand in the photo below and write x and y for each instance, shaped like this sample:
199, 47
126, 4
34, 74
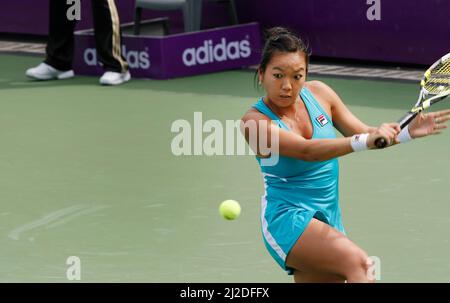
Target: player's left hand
429, 124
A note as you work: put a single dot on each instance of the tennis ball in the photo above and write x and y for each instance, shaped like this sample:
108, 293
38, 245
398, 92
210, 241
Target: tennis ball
230, 209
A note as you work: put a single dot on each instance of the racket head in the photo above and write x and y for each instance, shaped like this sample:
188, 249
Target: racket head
435, 86
436, 80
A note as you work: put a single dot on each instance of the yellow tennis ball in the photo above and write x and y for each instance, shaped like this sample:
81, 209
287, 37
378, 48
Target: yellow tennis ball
230, 209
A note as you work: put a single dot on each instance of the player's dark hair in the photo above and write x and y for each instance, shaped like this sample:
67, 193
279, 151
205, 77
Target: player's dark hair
280, 39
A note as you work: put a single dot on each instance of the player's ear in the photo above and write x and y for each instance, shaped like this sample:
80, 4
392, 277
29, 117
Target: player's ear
260, 76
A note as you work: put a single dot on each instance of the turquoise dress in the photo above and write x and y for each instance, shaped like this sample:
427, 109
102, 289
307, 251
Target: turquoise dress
297, 191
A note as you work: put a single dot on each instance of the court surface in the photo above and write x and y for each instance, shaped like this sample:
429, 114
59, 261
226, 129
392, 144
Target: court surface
88, 171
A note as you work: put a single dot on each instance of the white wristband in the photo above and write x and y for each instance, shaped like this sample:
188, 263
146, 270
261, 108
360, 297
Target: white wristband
359, 142
404, 136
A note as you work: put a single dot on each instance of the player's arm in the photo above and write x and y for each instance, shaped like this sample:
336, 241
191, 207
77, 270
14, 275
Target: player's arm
260, 132
343, 119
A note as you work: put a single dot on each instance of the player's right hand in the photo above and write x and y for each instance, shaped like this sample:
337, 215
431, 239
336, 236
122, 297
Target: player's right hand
388, 131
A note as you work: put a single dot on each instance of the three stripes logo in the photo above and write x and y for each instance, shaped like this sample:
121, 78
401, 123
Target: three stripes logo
322, 120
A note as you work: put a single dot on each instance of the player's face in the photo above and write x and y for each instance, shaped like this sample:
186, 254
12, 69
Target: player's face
284, 77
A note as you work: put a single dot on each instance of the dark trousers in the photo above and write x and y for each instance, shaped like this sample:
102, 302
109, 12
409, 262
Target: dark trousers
60, 45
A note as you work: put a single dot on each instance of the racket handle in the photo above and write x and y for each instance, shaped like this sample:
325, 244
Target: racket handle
380, 143
404, 121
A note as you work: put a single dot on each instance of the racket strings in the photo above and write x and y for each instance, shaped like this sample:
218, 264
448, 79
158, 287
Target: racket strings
437, 81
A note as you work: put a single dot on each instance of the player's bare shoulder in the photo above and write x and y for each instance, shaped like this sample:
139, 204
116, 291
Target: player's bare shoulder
254, 115
318, 87
323, 94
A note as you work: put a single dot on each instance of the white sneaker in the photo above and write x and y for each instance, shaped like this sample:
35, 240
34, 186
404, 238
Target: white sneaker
113, 78
46, 72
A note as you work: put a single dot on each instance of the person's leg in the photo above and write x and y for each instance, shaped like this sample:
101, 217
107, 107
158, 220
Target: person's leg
108, 36
322, 250
60, 45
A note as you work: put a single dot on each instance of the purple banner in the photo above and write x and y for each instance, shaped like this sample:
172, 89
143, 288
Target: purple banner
31, 16
401, 31
177, 55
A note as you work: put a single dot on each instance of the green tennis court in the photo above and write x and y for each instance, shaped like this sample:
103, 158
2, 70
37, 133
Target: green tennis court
88, 171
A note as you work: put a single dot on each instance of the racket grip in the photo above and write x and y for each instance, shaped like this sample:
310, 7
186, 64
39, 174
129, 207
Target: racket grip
380, 143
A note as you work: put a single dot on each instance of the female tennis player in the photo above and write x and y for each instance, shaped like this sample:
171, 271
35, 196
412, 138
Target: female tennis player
301, 217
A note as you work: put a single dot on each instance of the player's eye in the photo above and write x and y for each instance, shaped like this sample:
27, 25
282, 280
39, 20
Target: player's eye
278, 76
298, 77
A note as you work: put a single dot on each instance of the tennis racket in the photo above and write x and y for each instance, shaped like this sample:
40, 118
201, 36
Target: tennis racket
435, 87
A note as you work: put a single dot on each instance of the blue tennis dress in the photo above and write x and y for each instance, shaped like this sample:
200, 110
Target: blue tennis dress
297, 191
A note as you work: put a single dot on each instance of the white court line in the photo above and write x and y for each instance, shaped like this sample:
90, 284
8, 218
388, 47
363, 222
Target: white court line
154, 205
75, 215
53, 219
